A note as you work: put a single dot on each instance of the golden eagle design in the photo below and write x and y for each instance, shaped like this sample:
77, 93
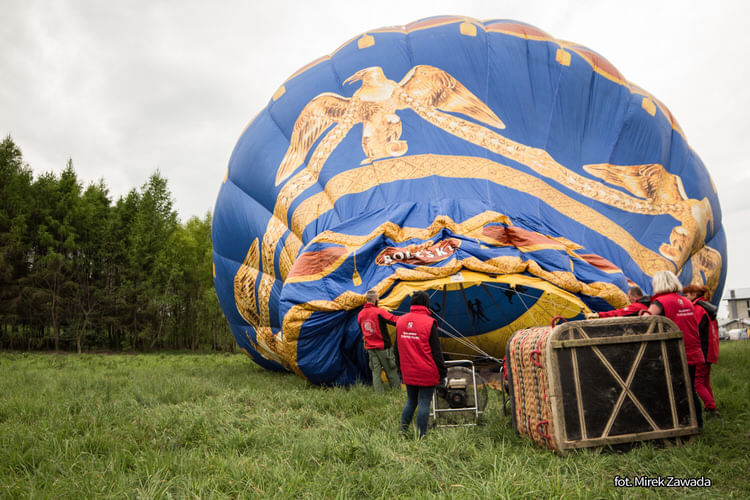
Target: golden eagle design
651, 181
665, 193
374, 105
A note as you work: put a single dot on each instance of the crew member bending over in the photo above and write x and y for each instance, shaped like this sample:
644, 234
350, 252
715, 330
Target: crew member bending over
637, 304
667, 301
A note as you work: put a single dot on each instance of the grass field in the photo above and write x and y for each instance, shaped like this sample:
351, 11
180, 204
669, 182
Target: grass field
215, 426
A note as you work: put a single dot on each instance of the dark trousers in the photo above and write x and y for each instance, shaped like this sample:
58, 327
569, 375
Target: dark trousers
696, 401
417, 398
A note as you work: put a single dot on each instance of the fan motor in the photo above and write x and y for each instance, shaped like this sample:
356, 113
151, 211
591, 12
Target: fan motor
455, 392
457, 398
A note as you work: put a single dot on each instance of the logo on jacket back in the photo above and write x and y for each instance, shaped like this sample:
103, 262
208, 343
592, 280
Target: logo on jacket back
424, 253
368, 326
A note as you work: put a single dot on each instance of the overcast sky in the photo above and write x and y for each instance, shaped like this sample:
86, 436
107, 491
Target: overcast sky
127, 87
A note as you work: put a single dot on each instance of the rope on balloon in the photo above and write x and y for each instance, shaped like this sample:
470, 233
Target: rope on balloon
458, 337
539, 299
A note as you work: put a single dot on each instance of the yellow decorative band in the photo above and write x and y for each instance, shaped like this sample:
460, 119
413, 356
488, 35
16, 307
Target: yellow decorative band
475, 228
506, 265
363, 178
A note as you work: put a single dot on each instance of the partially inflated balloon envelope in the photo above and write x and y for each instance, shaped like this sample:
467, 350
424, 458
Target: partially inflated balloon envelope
512, 176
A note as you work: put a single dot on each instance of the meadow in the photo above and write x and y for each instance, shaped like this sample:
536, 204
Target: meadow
217, 426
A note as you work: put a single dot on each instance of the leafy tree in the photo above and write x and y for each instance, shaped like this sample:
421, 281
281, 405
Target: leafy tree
15, 239
50, 281
153, 225
91, 261
121, 273
188, 255
120, 276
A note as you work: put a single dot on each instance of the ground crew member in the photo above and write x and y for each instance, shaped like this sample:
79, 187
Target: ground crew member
637, 304
372, 322
705, 313
420, 359
667, 301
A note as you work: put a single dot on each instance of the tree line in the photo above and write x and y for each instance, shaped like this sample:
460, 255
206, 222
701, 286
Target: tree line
79, 272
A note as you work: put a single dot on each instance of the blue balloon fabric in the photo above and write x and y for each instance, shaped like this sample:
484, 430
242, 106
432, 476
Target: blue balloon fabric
514, 177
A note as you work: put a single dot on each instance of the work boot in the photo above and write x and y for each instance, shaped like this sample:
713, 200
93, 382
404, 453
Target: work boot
403, 432
713, 413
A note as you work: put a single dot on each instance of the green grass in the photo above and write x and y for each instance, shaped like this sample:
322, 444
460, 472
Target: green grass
217, 426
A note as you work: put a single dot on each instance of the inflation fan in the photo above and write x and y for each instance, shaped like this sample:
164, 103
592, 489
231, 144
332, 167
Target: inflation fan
463, 398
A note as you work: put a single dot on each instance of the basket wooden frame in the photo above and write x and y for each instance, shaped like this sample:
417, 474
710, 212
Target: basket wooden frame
660, 329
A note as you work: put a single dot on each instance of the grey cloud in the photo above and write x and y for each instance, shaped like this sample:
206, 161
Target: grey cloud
125, 88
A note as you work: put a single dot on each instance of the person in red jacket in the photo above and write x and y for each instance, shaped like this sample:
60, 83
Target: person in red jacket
667, 301
709, 334
372, 322
420, 359
637, 304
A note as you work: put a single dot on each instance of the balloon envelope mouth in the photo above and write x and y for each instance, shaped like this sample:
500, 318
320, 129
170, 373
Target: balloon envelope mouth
477, 313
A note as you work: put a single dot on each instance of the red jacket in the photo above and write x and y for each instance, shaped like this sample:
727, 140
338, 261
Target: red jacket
680, 310
372, 322
418, 348
708, 329
633, 309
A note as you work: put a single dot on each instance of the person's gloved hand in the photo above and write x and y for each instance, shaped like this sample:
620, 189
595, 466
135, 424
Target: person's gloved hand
443, 383
592, 315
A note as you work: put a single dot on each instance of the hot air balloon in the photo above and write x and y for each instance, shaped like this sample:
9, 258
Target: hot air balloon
514, 177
